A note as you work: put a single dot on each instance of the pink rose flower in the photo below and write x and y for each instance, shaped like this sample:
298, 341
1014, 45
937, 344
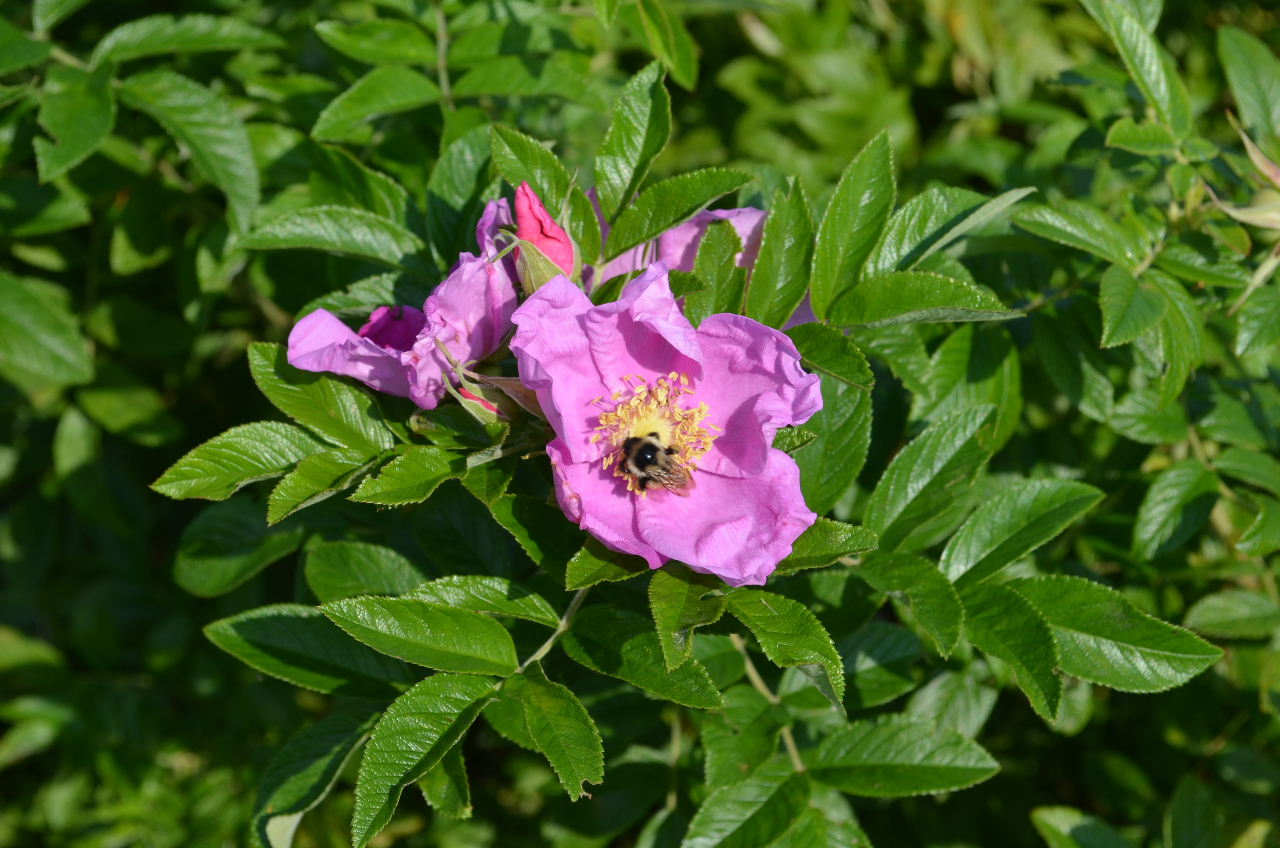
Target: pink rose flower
715, 396
398, 350
536, 226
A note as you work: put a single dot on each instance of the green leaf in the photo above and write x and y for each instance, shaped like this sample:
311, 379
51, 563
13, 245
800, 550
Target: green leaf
972, 220
780, 276
303, 771
1104, 639
830, 465
414, 734
445, 786
715, 266
1143, 417
563, 74
1130, 307
974, 365
18, 50
1262, 537
1192, 820
521, 158
1182, 333
1000, 622
386, 90
911, 297
753, 812
742, 736
665, 204
827, 351
40, 341
899, 756
538, 527
639, 131
1145, 139
925, 475
204, 122
337, 570
28, 208
955, 701
296, 644
343, 230
791, 637
379, 42
933, 599
1083, 227
825, 542
125, 405
46, 14
339, 179
855, 217
595, 563
1174, 508
227, 544
242, 455
560, 728
1258, 322
1067, 827
490, 595
669, 41
317, 477
1149, 66
411, 477
336, 411
918, 225
423, 633
1020, 517
682, 600
1234, 614
792, 439
623, 644
878, 660
455, 194
1253, 467
1253, 72
78, 109
160, 34
1201, 263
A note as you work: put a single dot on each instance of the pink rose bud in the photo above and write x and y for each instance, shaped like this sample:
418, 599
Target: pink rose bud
536, 226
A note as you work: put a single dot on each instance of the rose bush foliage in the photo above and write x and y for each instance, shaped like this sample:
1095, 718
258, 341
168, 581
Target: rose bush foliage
978, 405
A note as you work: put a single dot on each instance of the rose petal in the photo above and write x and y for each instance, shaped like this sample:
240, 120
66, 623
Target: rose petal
752, 384
678, 246
737, 528
598, 502
642, 333
468, 314
555, 361
394, 328
321, 342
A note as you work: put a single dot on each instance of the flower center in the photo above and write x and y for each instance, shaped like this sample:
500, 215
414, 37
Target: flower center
643, 409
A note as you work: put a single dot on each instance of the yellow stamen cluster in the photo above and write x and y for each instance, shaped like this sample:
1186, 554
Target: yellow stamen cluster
642, 408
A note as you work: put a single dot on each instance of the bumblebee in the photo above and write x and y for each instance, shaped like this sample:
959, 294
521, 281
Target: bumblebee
648, 460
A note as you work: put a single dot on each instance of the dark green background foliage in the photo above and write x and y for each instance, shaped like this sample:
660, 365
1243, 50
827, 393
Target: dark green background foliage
1070, 322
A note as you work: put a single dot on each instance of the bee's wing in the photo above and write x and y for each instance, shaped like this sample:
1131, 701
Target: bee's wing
673, 479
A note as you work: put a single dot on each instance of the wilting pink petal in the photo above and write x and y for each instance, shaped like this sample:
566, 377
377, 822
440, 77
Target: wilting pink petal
321, 342
399, 349
394, 327
468, 315
536, 226
715, 395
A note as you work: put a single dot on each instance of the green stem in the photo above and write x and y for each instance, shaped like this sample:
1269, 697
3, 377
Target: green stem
560, 630
753, 675
442, 57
